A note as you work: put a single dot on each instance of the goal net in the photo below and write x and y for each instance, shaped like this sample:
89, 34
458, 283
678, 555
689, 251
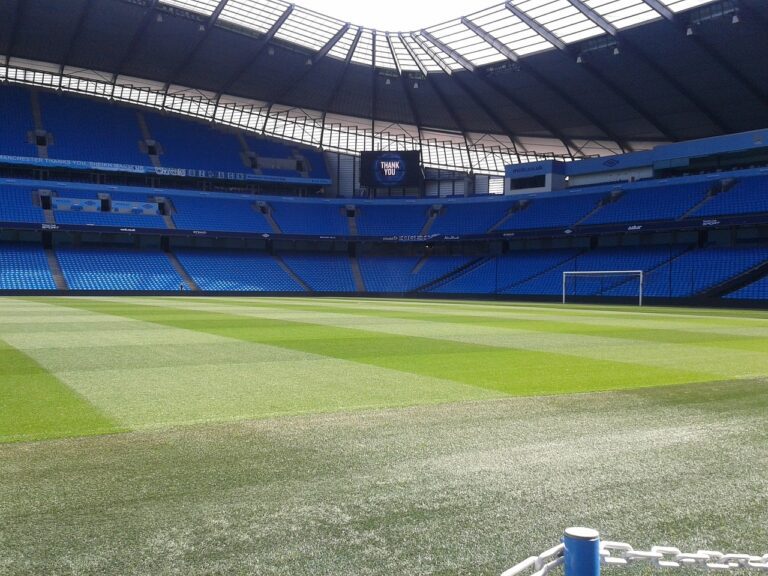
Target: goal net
602, 282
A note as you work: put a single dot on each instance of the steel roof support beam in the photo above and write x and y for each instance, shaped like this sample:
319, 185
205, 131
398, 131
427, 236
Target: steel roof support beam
512, 55
197, 44
424, 46
454, 117
73, 39
536, 27
412, 54
474, 96
394, 55
497, 45
406, 82
665, 12
711, 52
17, 16
261, 45
315, 59
339, 82
596, 19
373, 90
330, 44
135, 39
466, 64
608, 28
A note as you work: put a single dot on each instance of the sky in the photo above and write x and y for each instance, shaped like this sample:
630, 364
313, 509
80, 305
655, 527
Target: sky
396, 15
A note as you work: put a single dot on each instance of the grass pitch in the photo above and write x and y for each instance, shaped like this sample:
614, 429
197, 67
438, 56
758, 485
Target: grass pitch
342, 436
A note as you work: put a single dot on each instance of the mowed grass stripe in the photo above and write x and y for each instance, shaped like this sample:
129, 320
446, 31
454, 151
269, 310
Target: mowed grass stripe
503, 369
732, 338
35, 405
147, 375
702, 324
706, 363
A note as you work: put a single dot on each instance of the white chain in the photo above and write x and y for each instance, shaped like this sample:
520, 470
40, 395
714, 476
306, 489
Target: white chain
542, 564
622, 554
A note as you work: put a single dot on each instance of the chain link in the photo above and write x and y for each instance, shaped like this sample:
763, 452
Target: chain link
541, 565
622, 554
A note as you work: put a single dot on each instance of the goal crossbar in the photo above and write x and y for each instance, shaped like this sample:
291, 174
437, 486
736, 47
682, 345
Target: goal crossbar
572, 273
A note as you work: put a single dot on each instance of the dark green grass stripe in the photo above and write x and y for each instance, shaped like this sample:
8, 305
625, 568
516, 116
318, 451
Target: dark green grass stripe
693, 335
507, 370
35, 405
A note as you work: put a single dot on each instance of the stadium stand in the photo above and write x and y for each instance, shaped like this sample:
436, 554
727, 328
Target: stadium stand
236, 271
186, 144
91, 130
16, 205
396, 220
748, 196
218, 212
117, 269
16, 113
24, 267
467, 219
757, 290
667, 202
301, 217
555, 212
393, 274
322, 272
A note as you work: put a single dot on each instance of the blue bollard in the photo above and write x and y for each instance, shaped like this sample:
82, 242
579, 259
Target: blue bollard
582, 552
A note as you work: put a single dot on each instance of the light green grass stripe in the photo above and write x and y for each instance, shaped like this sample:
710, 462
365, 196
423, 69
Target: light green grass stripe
597, 316
500, 368
745, 316
35, 405
146, 374
733, 338
709, 363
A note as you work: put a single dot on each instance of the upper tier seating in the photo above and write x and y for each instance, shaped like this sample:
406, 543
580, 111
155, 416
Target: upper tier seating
16, 114
467, 219
92, 130
747, 196
321, 219
391, 220
189, 144
118, 269
16, 205
24, 267
557, 212
667, 202
219, 213
215, 270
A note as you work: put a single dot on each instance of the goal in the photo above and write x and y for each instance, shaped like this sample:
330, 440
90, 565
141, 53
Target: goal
629, 274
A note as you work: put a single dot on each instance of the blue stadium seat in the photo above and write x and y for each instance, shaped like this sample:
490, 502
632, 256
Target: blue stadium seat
24, 267
92, 130
218, 212
16, 114
16, 205
117, 269
215, 270
322, 272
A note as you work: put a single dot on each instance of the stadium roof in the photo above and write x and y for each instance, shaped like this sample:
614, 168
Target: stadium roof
529, 78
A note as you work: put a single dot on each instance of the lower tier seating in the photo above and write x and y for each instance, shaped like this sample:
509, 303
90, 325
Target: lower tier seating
24, 267
118, 269
215, 270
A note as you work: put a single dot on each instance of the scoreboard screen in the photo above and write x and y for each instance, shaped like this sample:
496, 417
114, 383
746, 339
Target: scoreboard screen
390, 169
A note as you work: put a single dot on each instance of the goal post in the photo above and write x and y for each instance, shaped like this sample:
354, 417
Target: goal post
600, 273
